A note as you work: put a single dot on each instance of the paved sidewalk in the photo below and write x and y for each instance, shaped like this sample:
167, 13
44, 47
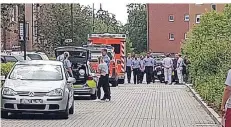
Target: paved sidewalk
155, 105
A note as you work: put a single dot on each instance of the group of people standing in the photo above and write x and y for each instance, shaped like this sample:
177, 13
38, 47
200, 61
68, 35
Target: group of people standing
141, 65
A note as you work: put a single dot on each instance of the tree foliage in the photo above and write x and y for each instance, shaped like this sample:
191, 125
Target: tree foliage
55, 24
137, 26
209, 49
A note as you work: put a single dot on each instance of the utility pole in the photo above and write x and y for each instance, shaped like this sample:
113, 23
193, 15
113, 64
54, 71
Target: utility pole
72, 25
93, 19
22, 29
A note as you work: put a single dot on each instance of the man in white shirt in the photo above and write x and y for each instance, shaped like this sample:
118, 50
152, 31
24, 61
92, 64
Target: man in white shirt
168, 64
60, 57
179, 68
226, 101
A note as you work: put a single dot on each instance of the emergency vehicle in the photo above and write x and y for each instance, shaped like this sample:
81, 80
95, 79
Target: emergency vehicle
118, 42
96, 52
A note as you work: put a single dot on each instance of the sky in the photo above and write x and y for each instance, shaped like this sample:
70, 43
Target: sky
117, 8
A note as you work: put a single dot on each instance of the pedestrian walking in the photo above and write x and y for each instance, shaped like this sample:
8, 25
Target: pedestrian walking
180, 68
168, 65
149, 64
67, 64
135, 68
141, 70
106, 59
226, 102
103, 80
129, 67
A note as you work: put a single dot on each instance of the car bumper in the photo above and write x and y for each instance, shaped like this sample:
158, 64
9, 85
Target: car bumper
49, 104
84, 91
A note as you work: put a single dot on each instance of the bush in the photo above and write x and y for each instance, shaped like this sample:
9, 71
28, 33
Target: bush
209, 49
5, 68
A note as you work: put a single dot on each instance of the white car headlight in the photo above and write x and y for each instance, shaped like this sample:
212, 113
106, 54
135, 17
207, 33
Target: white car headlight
8, 91
81, 72
55, 92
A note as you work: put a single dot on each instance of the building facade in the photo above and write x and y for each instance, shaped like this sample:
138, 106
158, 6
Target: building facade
12, 36
168, 24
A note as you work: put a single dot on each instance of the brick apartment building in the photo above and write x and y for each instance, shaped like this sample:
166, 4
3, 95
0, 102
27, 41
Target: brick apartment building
168, 24
12, 37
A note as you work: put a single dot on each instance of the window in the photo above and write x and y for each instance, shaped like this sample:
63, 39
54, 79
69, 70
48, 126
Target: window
34, 56
198, 18
186, 17
116, 48
185, 36
171, 18
171, 36
10, 59
214, 7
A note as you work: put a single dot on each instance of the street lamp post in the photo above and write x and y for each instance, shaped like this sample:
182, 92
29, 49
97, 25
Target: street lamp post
72, 25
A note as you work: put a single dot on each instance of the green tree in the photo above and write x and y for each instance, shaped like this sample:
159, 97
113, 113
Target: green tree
7, 14
209, 49
137, 26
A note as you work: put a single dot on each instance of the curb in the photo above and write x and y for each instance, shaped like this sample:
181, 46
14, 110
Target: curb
210, 111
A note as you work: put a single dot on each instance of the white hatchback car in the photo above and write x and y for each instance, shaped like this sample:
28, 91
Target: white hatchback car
38, 86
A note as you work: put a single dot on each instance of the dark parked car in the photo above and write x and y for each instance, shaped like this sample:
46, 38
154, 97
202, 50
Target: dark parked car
12, 58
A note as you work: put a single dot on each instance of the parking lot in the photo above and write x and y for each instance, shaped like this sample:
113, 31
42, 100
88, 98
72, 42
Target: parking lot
155, 105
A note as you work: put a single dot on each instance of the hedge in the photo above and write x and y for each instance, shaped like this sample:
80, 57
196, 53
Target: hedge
5, 68
209, 51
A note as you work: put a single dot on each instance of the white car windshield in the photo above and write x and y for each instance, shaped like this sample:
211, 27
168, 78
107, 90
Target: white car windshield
37, 72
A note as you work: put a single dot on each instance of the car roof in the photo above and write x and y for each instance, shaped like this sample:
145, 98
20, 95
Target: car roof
36, 62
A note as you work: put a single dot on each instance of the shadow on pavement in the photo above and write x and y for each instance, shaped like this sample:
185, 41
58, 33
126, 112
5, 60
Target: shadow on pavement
35, 116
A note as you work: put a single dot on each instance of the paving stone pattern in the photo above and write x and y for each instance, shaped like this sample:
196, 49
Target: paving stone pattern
155, 105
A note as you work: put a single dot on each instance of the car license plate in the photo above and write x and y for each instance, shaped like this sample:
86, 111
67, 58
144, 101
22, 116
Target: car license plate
159, 73
31, 101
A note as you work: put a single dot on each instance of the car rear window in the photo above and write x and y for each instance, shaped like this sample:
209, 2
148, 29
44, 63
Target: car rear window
34, 56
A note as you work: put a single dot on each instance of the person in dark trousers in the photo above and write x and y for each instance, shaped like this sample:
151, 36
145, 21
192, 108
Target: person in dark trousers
175, 78
106, 59
103, 80
149, 64
141, 70
185, 69
135, 68
129, 67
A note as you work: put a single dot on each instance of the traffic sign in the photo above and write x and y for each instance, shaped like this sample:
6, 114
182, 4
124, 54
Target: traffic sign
21, 32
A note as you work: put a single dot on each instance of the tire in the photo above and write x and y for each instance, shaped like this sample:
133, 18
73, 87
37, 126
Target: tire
4, 114
65, 114
120, 81
93, 96
71, 110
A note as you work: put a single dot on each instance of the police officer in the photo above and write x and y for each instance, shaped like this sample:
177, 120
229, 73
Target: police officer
149, 65
141, 70
179, 68
129, 67
106, 59
135, 68
168, 65
103, 80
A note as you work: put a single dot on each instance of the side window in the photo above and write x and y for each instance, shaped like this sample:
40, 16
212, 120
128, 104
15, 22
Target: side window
10, 59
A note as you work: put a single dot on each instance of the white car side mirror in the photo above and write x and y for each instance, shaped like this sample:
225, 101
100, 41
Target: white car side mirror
71, 80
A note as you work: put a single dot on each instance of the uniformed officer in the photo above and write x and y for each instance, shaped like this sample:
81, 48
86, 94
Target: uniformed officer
179, 68
168, 65
142, 69
149, 65
106, 59
129, 67
135, 68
